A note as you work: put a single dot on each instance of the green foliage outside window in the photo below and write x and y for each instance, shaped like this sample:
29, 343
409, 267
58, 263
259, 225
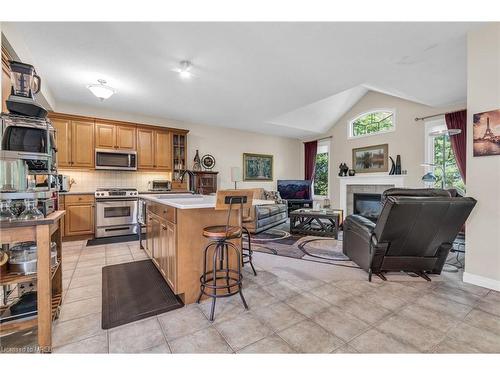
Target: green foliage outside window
453, 177
321, 175
374, 122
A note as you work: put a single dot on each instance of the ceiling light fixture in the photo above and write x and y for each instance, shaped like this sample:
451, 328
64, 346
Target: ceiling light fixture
184, 69
101, 90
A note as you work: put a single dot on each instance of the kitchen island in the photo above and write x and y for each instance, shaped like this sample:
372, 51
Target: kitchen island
175, 243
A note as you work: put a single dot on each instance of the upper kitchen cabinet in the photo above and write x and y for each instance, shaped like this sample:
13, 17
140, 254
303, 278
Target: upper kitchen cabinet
154, 149
110, 135
74, 142
5, 79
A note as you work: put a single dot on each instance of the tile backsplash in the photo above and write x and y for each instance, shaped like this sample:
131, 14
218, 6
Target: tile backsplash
89, 181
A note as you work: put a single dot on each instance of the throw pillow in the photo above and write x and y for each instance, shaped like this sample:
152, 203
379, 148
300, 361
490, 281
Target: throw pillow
274, 196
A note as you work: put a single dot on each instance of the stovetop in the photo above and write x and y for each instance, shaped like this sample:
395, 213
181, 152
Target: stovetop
116, 192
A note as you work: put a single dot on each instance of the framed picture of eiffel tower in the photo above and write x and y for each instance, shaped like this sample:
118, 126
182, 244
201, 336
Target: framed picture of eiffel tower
486, 133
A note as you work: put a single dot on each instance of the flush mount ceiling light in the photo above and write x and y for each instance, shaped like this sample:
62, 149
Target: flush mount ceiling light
184, 69
101, 90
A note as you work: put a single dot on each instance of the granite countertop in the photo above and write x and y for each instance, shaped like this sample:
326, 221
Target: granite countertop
140, 192
191, 201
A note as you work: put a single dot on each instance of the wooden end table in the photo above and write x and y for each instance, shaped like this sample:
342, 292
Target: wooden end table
323, 222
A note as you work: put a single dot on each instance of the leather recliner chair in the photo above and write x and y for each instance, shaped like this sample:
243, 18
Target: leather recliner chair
414, 232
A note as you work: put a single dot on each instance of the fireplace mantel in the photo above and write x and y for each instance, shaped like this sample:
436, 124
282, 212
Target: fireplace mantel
367, 179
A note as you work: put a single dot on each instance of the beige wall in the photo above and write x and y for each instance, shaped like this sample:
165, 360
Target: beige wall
226, 145
482, 259
407, 140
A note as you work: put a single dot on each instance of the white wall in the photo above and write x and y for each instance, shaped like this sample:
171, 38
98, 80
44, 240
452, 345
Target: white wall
407, 140
226, 145
482, 259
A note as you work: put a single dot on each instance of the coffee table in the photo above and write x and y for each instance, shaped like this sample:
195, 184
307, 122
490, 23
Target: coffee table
322, 222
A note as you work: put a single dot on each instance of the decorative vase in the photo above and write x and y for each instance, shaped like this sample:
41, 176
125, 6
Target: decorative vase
352, 172
393, 166
197, 162
398, 165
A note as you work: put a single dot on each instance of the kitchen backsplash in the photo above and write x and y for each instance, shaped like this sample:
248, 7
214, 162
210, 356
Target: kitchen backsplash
89, 181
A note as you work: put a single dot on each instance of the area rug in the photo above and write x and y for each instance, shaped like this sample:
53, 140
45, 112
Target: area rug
134, 291
279, 241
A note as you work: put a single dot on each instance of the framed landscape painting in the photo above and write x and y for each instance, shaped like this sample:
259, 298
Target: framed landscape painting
371, 159
257, 167
486, 132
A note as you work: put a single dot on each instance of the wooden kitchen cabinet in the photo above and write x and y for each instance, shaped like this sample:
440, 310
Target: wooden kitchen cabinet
114, 136
5, 79
154, 149
74, 142
79, 219
169, 254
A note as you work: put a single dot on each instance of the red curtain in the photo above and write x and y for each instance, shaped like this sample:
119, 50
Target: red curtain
310, 151
458, 120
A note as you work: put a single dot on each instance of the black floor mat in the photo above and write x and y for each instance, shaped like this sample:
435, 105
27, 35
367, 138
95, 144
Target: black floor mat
116, 239
134, 291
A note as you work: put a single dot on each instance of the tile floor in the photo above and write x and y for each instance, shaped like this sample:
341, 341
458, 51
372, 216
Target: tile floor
296, 306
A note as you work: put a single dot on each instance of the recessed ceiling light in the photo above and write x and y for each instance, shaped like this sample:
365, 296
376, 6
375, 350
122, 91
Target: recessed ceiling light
101, 90
184, 69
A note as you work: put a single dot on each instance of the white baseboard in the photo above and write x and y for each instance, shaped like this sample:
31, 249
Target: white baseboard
485, 282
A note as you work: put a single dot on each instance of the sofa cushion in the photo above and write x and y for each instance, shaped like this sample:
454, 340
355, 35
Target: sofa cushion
269, 210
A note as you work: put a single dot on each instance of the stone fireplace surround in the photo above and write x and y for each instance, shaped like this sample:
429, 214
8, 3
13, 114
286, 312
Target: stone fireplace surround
367, 183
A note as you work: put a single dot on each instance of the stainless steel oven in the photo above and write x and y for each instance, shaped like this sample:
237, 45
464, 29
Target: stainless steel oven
115, 159
116, 212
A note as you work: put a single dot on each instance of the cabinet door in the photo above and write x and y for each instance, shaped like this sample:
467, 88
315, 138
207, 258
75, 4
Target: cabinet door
79, 219
163, 150
82, 142
149, 235
125, 137
105, 135
164, 250
156, 230
63, 141
145, 148
171, 256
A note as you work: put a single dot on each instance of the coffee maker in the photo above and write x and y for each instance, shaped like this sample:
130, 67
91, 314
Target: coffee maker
25, 84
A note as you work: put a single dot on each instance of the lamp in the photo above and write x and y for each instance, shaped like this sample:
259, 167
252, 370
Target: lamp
101, 90
235, 175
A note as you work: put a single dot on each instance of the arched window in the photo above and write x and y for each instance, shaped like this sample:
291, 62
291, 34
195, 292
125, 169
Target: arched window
373, 122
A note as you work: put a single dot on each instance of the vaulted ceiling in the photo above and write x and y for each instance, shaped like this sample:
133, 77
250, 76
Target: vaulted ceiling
293, 79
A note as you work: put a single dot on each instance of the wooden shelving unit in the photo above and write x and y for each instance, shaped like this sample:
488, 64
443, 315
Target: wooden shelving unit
48, 279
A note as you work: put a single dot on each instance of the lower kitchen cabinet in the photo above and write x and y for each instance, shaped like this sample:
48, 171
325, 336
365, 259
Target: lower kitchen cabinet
161, 245
79, 218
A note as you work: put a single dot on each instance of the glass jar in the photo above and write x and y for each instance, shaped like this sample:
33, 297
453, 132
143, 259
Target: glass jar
5, 211
31, 212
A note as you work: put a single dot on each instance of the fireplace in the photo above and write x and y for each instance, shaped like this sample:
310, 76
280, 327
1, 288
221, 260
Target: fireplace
367, 205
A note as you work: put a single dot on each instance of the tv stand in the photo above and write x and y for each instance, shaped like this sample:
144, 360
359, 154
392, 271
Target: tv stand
296, 204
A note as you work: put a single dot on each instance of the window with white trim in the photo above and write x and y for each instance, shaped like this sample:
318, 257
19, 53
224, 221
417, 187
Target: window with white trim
373, 122
321, 181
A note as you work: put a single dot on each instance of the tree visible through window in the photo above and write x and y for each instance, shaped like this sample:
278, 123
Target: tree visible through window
372, 123
453, 177
321, 174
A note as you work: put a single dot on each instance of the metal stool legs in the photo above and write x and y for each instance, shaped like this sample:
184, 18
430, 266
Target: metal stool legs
247, 258
220, 271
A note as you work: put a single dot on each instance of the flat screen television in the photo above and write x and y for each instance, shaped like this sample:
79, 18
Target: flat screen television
295, 189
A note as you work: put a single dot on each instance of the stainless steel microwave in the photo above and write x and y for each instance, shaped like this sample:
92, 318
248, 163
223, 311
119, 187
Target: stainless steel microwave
115, 159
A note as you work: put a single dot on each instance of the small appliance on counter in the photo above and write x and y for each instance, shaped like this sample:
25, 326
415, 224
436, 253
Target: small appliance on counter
159, 185
25, 84
64, 182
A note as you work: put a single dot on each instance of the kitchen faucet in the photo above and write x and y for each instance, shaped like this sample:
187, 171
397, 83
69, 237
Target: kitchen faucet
190, 181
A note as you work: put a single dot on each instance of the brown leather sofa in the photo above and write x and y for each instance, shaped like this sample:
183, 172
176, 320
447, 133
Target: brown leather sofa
414, 232
265, 216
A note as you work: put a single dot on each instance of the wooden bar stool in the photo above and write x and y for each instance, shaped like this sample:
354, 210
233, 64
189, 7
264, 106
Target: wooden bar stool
220, 236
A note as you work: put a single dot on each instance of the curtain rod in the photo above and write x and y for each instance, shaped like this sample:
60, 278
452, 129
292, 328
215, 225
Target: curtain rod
320, 139
439, 114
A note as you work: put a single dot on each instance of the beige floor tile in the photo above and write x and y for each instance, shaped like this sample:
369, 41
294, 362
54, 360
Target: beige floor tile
457, 295
207, 340
357, 287
406, 291
474, 289
346, 349
265, 278
84, 292
492, 296
182, 322
385, 298
333, 294
256, 296
309, 337
76, 330
88, 271
117, 251
93, 345
454, 346
242, 331
410, 332
278, 316
307, 304
365, 310
225, 308
341, 324
159, 349
485, 341
119, 259
81, 308
281, 290
77, 282
271, 344
306, 284
68, 266
440, 304
101, 261
136, 336
428, 317
490, 305
375, 341
91, 256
